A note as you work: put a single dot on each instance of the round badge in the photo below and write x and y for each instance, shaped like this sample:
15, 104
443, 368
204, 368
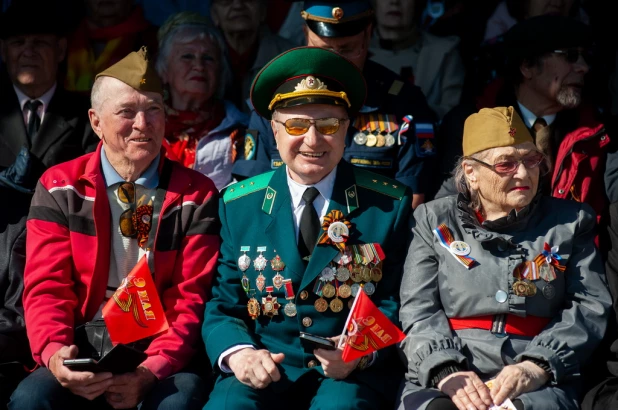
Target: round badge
327, 274
390, 140
549, 292
321, 305
260, 263
372, 140
360, 138
244, 262
460, 248
343, 274
531, 289
338, 232
356, 273
520, 288
336, 305
146, 219
290, 309
311, 83
328, 291
253, 306
345, 291
381, 141
365, 274
370, 288
355, 288
376, 274
501, 296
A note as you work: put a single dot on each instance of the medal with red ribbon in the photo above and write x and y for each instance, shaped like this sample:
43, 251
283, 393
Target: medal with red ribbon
335, 230
549, 255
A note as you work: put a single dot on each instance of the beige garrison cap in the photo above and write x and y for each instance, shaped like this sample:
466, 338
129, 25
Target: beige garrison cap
493, 127
135, 71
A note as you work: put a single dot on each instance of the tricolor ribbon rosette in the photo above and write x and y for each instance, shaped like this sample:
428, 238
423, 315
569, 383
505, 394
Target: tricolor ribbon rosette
335, 230
550, 256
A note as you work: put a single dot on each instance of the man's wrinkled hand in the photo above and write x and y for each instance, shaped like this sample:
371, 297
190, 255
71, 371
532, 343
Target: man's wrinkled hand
255, 368
85, 384
129, 389
466, 390
332, 362
516, 379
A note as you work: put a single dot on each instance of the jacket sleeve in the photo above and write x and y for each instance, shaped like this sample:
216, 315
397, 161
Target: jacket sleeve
571, 337
185, 297
429, 342
223, 327
49, 296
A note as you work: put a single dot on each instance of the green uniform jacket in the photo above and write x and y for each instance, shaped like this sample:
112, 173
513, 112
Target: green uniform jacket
257, 212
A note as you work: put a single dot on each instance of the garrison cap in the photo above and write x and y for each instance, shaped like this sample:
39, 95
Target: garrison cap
308, 75
541, 34
342, 18
29, 17
492, 128
136, 71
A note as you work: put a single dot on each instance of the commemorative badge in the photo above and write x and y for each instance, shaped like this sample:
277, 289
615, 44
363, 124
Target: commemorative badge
277, 265
270, 306
290, 308
335, 230
244, 261
546, 264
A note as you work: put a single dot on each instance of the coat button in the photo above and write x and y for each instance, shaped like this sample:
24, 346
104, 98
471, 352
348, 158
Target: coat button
312, 364
561, 191
304, 295
307, 321
501, 296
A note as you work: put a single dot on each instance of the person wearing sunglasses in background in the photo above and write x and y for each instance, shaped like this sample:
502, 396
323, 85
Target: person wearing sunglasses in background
279, 252
503, 293
90, 222
392, 134
547, 62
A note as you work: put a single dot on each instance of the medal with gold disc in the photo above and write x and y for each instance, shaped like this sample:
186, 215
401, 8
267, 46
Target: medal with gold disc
335, 230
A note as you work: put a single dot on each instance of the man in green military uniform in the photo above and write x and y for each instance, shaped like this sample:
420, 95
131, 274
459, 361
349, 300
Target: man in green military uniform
298, 244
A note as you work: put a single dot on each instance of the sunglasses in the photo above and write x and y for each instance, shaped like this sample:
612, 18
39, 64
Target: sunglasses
300, 126
572, 55
511, 167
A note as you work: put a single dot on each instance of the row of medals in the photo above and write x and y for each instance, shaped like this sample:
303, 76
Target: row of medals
374, 132
374, 140
340, 279
525, 288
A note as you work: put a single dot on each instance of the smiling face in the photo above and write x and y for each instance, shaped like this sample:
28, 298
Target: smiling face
311, 156
32, 61
131, 124
192, 69
500, 192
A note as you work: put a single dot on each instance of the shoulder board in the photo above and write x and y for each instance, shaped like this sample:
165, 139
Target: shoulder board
379, 183
246, 187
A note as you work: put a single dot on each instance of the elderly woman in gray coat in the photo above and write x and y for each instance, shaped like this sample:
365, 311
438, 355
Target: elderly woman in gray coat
503, 295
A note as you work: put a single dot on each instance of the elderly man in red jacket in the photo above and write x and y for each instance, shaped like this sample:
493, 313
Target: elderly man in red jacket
90, 222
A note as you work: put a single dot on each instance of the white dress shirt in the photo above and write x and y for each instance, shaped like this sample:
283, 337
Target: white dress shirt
529, 117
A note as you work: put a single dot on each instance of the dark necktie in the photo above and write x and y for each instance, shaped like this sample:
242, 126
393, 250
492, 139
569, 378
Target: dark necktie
34, 121
309, 224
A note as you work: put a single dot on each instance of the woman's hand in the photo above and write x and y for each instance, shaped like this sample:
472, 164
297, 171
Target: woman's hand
516, 379
466, 390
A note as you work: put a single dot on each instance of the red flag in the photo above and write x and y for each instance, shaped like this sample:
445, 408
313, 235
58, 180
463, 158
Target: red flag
135, 311
368, 329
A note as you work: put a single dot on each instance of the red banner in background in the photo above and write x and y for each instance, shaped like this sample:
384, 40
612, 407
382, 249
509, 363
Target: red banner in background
368, 329
135, 311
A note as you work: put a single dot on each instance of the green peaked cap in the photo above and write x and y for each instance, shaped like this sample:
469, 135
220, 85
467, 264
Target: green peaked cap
308, 75
136, 71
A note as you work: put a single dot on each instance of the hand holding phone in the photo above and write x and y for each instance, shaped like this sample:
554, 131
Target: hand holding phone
317, 342
121, 359
82, 365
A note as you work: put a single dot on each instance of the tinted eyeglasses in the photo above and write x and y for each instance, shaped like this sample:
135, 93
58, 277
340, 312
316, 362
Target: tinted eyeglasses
349, 53
126, 194
510, 167
571, 55
299, 126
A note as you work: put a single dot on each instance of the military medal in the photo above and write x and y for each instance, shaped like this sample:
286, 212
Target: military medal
460, 248
336, 305
290, 308
369, 288
355, 274
343, 274
321, 305
381, 141
360, 138
328, 291
360, 124
344, 291
376, 274
270, 306
355, 288
253, 307
520, 288
277, 265
244, 261
327, 274
343, 258
389, 139
372, 140
365, 274
338, 232
260, 264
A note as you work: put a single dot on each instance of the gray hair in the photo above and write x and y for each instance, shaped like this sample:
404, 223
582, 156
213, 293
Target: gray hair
461, 182
185, 31
97, 94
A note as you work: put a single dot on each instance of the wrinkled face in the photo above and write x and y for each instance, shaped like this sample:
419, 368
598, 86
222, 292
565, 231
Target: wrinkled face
311, 156
540, 7
32, 60
354, 48
395, 13
500, 191
557, 80
237, 15
131, 123
109, 10
193, 69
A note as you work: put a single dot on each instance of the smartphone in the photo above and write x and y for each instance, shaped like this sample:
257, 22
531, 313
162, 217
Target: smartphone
122, 359
82, 365
318, 342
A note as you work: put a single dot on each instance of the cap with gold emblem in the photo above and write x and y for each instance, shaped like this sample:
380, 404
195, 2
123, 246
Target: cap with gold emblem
136, 71
493, 127
324, 77
341, 18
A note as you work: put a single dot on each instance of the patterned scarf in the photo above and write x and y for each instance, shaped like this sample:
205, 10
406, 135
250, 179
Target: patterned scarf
82, 66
